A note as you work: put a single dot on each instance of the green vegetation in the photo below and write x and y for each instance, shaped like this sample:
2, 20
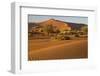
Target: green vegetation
48, 29
61, 37
77, 35
84, 29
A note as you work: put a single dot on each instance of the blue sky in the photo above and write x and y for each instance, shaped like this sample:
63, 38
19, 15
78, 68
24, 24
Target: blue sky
74, 19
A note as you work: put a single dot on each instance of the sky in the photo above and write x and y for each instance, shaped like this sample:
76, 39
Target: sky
73, 19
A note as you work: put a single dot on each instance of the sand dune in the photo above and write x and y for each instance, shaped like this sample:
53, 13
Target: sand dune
59, 50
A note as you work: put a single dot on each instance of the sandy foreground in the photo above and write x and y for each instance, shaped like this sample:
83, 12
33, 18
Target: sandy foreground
45, 49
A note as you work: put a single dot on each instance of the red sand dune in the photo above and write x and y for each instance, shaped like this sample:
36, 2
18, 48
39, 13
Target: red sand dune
63, 50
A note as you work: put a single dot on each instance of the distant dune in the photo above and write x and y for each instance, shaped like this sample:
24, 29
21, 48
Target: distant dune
57, 23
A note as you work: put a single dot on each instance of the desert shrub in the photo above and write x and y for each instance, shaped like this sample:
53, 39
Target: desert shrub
77, 35
73, 32
61, 37
67, 38
81, 33
83, 36
29, 34
54, 38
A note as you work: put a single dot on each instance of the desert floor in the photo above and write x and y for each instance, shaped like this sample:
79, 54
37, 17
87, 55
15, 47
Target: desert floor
46, 49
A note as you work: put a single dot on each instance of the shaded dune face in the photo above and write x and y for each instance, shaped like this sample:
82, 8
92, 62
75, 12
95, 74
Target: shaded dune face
56, 23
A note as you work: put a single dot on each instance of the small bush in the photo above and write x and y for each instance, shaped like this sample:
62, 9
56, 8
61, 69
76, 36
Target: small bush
77, 35
67, 38
54, 38
29, 34
61, 37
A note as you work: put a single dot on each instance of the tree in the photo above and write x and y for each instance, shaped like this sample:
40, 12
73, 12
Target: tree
48, 29
85, 29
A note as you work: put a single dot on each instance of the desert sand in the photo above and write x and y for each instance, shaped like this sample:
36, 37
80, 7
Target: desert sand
45, 49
